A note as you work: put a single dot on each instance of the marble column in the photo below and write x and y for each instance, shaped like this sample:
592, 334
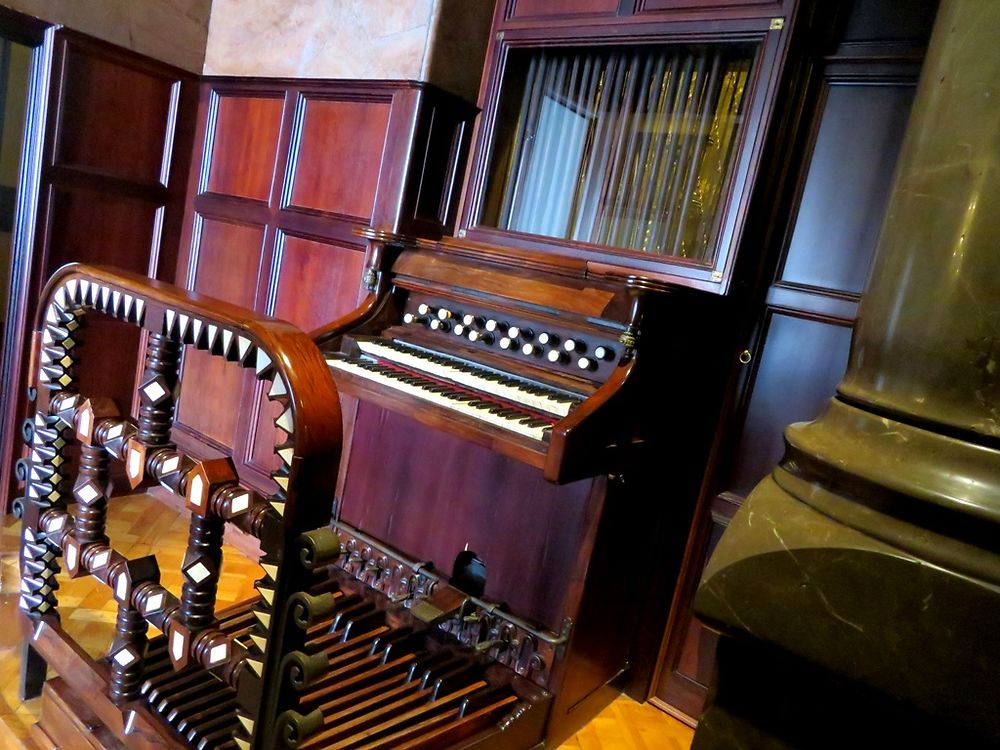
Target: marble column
858, 589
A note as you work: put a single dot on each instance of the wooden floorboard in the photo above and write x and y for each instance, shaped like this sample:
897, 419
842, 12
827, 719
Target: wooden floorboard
142, 525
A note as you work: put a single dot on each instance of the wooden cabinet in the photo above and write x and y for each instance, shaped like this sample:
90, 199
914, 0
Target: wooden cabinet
798, 350
288, 172
114, 167
630, 135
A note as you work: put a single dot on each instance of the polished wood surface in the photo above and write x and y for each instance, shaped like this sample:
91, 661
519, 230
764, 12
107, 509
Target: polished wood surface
228, 266
488, 500
244, 145
146, 524
116, 154
306, 164
351, 136
554, 24
97, 85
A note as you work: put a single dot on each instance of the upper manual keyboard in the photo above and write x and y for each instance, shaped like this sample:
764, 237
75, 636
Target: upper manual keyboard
487, 395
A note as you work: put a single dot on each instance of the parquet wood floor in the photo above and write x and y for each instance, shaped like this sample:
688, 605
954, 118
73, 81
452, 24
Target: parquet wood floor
142, 525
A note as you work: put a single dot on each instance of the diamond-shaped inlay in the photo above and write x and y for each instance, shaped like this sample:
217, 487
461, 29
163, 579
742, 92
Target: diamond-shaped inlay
240, 503
71, 556
154, 603
155, 390
85, 422
198, 572
121, 587
125, 657
197, 494
88, 493
135, 462
218, 654
171, 464
101, 559
115, 431
177, 645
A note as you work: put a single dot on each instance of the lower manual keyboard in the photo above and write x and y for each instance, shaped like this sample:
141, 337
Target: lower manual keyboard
481, 406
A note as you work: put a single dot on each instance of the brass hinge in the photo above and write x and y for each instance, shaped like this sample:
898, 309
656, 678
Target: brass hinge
777, 24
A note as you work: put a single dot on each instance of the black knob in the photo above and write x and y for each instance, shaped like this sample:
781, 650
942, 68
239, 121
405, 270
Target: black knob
555, 356
481, 337
585, 363
438, 324
524, 333
530, 350
473, 320
574, 346
508, 343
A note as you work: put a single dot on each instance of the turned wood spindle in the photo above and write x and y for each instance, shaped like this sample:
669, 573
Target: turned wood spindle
201, 571
159, 382
92, 496
127, 654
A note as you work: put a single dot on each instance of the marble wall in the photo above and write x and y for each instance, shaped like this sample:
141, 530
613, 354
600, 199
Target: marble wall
441, 41
174, 31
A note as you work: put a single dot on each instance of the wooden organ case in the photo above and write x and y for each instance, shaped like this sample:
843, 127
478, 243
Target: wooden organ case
472, 577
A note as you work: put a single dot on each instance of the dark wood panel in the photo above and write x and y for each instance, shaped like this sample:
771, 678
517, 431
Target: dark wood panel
244, 145
688, 663
312, 284
431, 494
337, 155
847, 187
227, 267
115, 118
86, 225
315, 282
562, 8
116, 157
774, 6
800, 365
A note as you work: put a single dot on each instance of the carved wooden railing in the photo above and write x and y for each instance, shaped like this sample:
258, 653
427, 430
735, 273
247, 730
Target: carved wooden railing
65, 510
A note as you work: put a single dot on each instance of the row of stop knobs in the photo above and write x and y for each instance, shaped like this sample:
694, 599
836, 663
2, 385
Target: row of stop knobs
482, 330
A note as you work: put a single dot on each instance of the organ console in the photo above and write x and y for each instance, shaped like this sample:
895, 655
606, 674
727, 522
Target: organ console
519, 388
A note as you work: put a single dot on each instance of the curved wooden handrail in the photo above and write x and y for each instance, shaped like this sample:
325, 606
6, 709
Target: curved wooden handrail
312, 391
305, 481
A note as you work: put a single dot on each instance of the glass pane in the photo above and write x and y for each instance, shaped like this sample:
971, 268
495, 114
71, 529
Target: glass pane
630, 147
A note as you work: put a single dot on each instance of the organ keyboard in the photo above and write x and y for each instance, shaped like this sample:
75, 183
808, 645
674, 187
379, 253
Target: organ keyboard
484, 353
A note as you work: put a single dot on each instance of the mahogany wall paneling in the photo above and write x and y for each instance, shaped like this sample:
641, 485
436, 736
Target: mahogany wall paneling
242, 135
857, 145
94, 87
768, 6
336, 154
522, 9
459, 493
117, 147
743, 23
802, 341
309, 163
333, 289
227, 259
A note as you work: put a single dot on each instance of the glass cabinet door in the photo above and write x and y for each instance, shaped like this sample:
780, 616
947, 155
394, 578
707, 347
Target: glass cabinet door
627, 147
